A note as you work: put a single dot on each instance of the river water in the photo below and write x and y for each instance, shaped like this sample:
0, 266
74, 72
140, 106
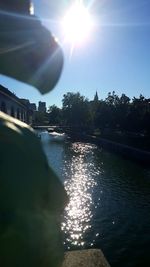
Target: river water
109, 206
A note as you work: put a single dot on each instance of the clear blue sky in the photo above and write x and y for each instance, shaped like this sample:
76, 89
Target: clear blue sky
117, 56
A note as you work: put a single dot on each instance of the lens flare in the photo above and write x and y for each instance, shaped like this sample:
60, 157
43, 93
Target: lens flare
77, 24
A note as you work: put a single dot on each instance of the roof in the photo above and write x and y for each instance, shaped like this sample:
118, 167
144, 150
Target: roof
8, 93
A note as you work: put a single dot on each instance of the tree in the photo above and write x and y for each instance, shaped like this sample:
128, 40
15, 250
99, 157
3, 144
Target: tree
139, 116
112, 99
76, 110
55, 115
41, 118
122, 112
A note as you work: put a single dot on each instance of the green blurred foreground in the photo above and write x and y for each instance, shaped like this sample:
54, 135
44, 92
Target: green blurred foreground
31, 200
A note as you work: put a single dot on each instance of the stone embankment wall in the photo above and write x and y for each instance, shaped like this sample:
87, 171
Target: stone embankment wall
129, 152
85, 258
125, 150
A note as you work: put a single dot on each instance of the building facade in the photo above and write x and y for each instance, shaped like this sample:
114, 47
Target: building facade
42, 107
14, 106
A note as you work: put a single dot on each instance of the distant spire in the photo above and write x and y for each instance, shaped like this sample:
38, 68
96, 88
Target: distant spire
96, 97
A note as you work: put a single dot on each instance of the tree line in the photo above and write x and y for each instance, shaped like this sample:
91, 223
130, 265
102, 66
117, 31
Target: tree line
114, 113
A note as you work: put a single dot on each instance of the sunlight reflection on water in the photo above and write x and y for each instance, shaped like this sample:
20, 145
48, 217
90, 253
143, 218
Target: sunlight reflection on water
109, 201
78, 213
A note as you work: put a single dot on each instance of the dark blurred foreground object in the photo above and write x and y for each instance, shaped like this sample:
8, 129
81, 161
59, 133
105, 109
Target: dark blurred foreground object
28, 51
18, 6
31, 200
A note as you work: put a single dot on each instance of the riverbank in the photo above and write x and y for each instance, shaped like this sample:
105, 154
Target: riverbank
129, 152
128, 149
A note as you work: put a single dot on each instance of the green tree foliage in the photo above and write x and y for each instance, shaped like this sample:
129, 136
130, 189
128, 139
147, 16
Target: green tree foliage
40, 118
55, 115
139, 116
114, 113
121, 113
76, 110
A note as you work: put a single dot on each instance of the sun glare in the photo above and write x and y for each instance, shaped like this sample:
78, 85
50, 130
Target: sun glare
77, 24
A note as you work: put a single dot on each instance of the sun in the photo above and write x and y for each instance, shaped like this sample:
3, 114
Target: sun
77, 24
